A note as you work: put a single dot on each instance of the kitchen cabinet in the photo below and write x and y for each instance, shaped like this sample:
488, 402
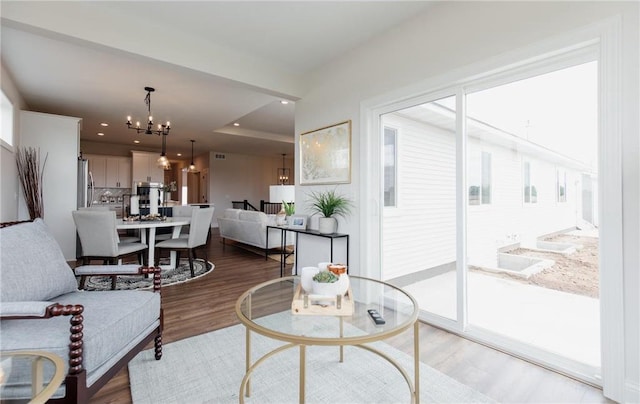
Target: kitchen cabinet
145, 168
110, 171
118, 172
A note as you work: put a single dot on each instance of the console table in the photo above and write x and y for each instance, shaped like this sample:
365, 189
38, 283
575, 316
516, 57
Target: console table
313, 233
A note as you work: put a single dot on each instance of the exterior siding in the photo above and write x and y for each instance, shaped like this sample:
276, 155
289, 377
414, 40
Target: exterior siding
420, 232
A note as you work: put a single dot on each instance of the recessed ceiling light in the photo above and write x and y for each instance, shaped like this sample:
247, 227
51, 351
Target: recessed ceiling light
136, 141
236, 124
104, 124
100, 134
284, 102
179, 154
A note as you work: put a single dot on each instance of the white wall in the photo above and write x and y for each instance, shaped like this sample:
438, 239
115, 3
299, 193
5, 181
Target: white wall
445, 40
58, 138
240, 176
8, 170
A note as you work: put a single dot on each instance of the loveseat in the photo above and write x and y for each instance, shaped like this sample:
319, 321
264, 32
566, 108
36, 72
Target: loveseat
250, 227
41, 308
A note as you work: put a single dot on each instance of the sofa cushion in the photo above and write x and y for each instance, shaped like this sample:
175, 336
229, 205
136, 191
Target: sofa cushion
112, 319
232, 213
253, 216
33, 266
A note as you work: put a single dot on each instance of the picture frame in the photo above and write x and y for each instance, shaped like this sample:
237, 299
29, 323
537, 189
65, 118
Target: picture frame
298, 222
325, 155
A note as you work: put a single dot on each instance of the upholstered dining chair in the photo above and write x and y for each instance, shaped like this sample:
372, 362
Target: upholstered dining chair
178, 211
199, 230
99, 240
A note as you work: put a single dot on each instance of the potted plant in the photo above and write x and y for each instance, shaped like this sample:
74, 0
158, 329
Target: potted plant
329, 205
289, 209
325, 283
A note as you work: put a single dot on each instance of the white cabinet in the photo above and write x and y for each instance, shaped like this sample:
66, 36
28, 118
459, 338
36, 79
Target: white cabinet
118, 172
110, 171
98, 170
145, 167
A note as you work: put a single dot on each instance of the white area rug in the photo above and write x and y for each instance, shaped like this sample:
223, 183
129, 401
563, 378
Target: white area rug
209, 368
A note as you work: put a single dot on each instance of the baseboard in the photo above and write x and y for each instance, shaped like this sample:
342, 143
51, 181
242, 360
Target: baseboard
632, 391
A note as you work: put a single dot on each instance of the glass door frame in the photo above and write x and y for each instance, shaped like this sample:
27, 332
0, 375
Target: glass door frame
603, 42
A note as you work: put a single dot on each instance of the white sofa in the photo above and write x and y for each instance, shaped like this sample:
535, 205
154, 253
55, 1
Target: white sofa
250, 227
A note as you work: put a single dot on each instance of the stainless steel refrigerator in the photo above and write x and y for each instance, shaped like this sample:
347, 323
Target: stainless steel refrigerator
85, 184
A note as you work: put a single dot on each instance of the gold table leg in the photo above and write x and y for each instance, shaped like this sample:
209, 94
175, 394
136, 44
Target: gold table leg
416, 360
303, 350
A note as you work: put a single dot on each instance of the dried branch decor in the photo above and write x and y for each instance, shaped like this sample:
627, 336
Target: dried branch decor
31, 174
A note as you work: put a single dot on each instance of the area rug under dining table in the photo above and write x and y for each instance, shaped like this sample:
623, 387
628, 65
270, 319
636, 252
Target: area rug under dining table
171, 276
209, 368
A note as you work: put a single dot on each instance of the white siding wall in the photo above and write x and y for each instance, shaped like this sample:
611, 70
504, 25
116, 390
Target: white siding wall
420, 232
508, 219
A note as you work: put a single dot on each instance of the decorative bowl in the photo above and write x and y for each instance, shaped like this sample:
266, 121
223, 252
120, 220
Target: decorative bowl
306, 278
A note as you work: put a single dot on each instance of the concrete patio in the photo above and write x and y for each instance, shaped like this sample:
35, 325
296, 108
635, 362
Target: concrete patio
560, 322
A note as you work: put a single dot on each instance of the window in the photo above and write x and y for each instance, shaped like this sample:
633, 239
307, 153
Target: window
7, 120
530, 192
390, 176
561, 186
480, 178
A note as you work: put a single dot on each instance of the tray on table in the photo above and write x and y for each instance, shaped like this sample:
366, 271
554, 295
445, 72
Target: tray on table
310, 304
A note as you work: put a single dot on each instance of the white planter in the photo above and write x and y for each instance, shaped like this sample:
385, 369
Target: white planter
306, 278
339, 287
327, 225
326, 289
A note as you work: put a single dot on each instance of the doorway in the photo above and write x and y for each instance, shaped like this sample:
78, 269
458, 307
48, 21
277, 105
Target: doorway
489, 222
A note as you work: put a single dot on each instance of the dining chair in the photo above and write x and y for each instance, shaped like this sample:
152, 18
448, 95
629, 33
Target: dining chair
99, 240
198, 236
178, 211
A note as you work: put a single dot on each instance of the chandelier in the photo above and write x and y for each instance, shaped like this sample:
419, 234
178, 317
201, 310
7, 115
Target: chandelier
283, 173
161, 130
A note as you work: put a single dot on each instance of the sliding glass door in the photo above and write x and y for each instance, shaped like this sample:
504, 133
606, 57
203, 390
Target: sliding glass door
489, 201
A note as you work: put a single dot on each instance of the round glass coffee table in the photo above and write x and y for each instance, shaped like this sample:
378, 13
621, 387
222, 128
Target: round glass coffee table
279, 309
42, 388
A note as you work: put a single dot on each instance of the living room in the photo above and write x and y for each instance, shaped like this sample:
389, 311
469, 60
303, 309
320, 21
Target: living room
446, 43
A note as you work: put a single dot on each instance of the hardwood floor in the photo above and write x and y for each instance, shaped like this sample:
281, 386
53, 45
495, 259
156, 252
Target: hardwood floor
207, 304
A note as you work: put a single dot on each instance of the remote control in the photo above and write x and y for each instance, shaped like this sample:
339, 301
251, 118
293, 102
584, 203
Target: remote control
376, 317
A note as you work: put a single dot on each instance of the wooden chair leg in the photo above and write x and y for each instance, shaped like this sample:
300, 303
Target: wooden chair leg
114, 279
191, 256
83, 280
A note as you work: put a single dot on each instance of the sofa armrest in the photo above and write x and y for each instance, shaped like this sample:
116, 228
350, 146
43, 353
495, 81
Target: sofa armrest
24, 309
111, 270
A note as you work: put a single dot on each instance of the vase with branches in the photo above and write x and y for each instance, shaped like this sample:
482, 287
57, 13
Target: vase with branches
31, 174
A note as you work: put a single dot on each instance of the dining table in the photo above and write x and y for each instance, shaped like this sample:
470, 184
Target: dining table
150, 226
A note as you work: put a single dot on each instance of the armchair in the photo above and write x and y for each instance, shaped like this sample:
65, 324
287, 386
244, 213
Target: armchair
42, 309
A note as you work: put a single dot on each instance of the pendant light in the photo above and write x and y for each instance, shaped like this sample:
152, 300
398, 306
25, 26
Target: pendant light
192, 166
163, 161
163, 129
283, 173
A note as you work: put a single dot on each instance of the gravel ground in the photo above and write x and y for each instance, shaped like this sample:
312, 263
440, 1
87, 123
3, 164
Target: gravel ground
576, 273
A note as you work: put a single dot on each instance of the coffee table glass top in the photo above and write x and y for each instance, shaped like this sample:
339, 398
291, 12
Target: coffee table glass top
266, 309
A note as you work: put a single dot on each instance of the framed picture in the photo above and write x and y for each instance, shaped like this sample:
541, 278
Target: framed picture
325, 155
298, 222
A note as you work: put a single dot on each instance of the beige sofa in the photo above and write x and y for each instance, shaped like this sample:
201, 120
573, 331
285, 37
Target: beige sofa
250, 227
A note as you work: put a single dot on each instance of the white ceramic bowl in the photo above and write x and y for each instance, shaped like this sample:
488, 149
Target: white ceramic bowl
323, 265
326, 289
306, 278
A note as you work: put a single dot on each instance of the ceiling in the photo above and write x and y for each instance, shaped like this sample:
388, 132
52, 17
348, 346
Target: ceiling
212, 64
